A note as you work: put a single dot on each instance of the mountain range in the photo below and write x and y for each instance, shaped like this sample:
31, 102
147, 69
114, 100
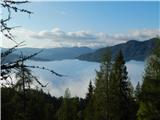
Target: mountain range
49, 54
132, 50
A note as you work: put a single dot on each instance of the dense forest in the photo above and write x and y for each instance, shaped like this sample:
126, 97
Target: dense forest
111, 97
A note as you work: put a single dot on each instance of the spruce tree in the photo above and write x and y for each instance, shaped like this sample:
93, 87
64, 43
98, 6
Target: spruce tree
137, 91
150, 96
89, 110
101, 93
64, 112
74, 108
120, 90
90, 92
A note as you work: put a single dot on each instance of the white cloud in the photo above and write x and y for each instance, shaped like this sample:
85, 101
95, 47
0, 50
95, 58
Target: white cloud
78, 76
56, 34
59, 38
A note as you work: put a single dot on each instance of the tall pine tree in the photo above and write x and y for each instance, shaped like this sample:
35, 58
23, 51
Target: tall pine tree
101, 93
137, 92
150, 93
120, 91
64, 112
89, 110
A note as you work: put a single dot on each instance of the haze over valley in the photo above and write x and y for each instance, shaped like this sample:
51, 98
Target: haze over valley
77, 75
80, 60
78, 72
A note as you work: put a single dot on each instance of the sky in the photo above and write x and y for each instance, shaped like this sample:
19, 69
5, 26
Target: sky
92, 24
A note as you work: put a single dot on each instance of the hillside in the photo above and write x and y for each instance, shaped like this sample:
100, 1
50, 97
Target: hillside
132, 50
49, 54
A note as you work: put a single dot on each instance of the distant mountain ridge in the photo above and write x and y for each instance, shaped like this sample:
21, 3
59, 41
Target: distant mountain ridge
49, 54
132, 50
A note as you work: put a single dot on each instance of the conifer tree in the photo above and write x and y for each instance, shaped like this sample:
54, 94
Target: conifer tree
150, 96
137, 92
89, 110
64, 112
90, 92
120, 90
101, 93
74, 108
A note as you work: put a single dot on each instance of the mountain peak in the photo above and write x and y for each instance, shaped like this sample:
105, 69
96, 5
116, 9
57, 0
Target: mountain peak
132, 41
132, 50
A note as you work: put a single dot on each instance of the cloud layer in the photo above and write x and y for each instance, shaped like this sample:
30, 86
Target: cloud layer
78, 76
59, 38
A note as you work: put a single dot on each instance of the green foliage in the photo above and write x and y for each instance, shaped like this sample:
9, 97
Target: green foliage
101, 93
121, 91
64, 112
138, 91
150, 95
89, 110
24, 75
69, 107
39, 106
90, 92
148, 111
112, 98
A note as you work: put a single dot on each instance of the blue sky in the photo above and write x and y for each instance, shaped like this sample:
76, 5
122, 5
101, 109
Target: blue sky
96, 17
